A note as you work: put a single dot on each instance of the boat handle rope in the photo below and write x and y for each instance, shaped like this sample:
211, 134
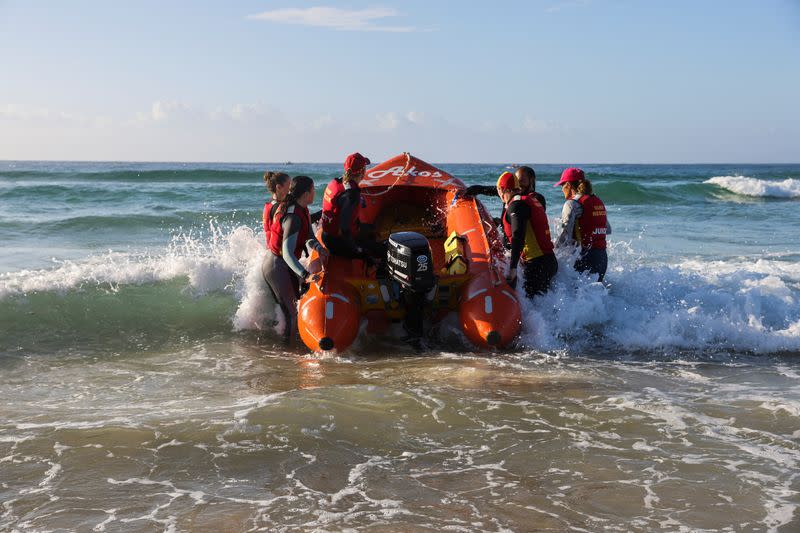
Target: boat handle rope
390, 187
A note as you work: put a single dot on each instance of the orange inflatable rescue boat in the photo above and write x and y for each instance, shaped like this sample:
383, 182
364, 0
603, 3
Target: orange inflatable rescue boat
451, 246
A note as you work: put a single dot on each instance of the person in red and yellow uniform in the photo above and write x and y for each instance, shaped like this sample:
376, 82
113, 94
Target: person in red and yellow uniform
584, 223
526, 177
340, 213
527, 229
290, 233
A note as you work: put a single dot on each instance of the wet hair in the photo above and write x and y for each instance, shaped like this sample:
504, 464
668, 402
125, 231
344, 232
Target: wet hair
350, 174
273, 179
584, 187
300, 185
529, 173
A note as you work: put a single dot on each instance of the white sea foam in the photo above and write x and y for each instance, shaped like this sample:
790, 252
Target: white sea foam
736, 304
788, 188
257, 306
739, 305
209, 262
216, 261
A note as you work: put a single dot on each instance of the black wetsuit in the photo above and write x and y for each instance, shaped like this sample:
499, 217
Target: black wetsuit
284, 273
539, 272
346, 244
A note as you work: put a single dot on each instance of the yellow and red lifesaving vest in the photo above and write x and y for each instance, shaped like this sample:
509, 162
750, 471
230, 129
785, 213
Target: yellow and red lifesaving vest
276, 229
590, 227
331, 210
537, 234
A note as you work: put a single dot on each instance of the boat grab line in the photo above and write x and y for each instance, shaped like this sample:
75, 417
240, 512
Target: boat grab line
509, 295
308, 302
476, 293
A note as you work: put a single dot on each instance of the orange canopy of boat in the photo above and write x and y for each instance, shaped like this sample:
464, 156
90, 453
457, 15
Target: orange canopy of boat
408, 194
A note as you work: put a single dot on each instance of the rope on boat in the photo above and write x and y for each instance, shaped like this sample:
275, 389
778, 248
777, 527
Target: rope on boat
389, 188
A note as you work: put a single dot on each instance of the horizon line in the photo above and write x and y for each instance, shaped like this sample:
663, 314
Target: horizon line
285, 163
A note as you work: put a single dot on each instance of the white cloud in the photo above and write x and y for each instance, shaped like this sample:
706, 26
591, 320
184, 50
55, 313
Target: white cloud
162, 111
239, 113
392, 120
32, 113
244, 111
259, 132
388, 121
323, 122
334, 18
181, 113
415, 117
535, 125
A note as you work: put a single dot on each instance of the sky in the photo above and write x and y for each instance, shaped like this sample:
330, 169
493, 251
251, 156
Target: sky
539, 81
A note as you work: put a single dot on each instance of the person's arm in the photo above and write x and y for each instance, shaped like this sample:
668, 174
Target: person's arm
475, 190
569, 214
519, 214
315, 245
540, 199
315, 217
499, 223
291, 231
608, 225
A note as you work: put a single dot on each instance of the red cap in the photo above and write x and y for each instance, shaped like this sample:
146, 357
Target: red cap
507, 180
355, 162
570, 175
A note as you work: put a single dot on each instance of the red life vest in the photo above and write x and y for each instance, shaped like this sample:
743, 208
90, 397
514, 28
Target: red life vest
537, 234
331, 210
590, 227
269, 210
276, 229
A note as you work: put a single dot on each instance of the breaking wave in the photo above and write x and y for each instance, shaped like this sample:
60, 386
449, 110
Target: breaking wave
212, 282
745, 186
739, 305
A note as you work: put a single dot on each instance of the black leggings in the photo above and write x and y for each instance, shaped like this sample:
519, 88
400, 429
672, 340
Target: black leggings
539, 273
593, 260
285, 287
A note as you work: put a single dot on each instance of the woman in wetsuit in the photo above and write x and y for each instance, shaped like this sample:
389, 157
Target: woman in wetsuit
290, 233
527, 229
340, 214
583, 223
278, 185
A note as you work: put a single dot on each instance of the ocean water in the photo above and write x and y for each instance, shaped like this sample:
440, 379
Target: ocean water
143, 387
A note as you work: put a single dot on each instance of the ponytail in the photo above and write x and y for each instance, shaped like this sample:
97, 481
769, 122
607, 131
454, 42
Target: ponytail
300, 185
273, 179
584, 187
351, 174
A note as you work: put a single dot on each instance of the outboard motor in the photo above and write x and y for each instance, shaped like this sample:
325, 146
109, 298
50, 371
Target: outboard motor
410, 263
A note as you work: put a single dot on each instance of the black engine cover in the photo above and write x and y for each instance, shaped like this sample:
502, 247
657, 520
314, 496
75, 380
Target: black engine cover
410, 262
